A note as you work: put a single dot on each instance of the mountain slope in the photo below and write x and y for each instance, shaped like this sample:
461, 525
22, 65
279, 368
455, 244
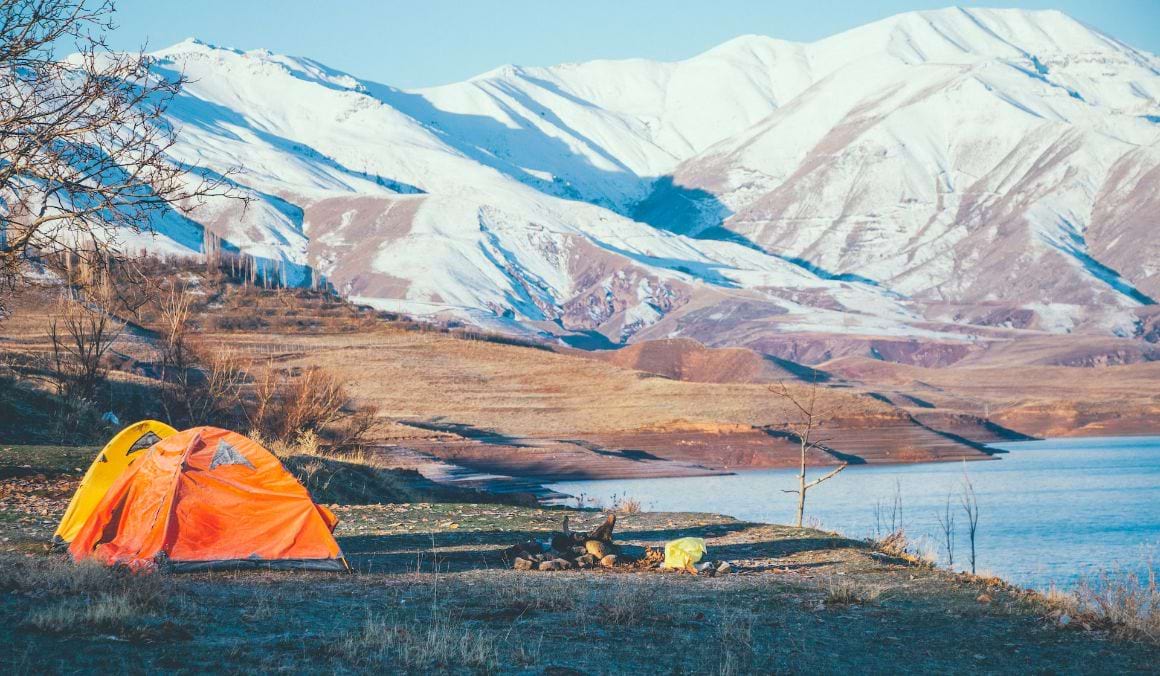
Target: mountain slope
989, 167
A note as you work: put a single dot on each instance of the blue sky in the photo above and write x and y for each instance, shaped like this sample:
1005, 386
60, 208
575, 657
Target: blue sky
427, 42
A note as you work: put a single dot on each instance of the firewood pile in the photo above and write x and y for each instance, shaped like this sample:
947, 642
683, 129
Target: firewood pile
567, 549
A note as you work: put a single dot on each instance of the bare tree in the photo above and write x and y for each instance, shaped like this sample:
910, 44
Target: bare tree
946, 520
891, 515
810, 417
81, 332
970, 505
84, 143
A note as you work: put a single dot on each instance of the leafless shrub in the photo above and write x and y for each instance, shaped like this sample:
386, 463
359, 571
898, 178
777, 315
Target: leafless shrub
201, 384
626, 505
1128, 600
81, 332
1128, 603
895, 544
888, 518
284, 405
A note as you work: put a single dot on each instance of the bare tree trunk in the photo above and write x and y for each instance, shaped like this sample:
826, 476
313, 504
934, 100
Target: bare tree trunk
946, 521
801, 510
970, 505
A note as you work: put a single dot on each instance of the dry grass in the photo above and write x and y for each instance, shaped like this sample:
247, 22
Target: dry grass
525, 391
1128, 602
844, 592
734, 639
436, 645
626, 505
622, 602
86, 595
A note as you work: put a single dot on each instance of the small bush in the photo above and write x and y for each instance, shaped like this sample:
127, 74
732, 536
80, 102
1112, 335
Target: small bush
1129, 602
626, 505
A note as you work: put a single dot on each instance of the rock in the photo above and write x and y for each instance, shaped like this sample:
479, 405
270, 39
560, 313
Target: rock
550, 565
597, 548
586, 561
563, 564
522, 564
1064, 620
984, 598
703, 567
609, 560
724, 568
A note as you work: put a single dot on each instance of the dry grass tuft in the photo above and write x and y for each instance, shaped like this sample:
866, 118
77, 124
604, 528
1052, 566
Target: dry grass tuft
626, 505
438, 645
842, 592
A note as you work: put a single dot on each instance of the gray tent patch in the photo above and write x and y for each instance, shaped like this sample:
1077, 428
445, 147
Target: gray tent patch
228, 455
146, 440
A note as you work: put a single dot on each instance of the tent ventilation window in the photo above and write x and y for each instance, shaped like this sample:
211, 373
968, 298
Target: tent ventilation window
228, 455
146, 440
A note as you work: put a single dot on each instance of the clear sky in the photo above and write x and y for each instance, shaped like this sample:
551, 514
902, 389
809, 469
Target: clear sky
416, 43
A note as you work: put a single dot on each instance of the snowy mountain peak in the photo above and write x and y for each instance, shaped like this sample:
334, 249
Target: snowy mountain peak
987, 167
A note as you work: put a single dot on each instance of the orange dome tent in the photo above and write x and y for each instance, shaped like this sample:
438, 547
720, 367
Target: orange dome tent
209, 498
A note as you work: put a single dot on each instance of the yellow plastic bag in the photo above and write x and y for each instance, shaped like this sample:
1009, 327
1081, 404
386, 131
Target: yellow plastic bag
683, 553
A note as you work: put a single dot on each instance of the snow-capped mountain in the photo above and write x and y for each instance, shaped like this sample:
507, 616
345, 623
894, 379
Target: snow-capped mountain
987, 167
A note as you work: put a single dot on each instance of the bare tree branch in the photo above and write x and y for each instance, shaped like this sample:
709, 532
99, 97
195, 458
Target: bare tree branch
84, 141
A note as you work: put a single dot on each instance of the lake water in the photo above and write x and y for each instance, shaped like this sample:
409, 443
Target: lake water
1049, 510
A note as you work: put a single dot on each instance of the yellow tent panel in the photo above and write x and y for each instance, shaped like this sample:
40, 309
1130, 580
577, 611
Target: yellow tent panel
129, 444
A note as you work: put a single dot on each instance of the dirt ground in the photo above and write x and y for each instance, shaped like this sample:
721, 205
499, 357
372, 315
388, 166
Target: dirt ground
432, 594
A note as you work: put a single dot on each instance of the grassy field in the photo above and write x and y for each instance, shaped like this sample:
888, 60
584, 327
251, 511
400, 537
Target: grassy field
431, 593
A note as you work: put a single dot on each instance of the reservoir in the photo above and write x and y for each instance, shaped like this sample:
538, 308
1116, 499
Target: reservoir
1049, 511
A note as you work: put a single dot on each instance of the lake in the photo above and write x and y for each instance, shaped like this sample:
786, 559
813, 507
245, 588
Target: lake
1049, 510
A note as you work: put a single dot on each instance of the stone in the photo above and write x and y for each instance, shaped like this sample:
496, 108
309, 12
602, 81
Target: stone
586, 561
597, 548
522, 564
550, 565
984, 598
609, 560
724, 568
563, 564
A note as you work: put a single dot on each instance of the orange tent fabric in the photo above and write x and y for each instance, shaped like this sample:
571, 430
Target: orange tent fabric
209, 498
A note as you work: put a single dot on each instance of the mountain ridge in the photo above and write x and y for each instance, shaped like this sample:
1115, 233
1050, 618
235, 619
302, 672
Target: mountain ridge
1002, 188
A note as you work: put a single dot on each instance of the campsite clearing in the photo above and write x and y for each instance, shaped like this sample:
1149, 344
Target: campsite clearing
431, 594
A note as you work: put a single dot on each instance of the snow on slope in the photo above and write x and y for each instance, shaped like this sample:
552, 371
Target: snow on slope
853, 184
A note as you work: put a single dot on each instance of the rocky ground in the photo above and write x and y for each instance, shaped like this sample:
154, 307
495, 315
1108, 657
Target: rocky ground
431, 592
